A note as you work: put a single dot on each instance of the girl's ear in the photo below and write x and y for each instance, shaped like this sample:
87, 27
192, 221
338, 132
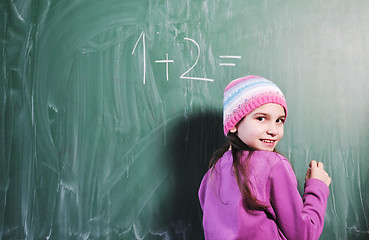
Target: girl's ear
233, 130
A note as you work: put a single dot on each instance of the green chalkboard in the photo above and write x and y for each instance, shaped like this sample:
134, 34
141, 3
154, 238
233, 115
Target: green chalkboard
110, 110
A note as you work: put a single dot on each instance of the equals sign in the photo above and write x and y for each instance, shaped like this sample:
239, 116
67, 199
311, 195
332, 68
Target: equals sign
229, 57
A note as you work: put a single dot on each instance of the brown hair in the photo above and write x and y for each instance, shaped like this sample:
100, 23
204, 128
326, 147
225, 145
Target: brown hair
240, 169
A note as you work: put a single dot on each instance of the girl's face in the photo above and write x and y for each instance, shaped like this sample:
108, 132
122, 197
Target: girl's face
262, 128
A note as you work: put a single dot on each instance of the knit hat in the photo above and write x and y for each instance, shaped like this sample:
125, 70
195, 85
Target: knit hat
243, 95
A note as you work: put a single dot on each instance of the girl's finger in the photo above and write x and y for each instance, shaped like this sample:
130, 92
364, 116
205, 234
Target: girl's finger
320, 165
313, 164
308, 173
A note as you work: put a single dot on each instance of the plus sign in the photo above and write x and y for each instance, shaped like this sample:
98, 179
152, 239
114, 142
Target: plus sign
166, 61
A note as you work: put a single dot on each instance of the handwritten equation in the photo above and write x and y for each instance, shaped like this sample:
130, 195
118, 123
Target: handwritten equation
184, 75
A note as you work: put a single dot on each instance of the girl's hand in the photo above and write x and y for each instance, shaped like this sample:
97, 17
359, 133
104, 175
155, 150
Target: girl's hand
317, 171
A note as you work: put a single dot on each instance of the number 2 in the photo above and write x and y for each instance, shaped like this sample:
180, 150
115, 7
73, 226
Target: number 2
197, 59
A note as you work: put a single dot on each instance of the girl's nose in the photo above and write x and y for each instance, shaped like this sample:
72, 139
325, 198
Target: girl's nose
272, 130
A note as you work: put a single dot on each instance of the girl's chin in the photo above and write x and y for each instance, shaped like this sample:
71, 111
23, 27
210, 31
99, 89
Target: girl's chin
266, 146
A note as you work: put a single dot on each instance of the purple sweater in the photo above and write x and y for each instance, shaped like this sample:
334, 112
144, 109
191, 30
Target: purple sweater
274, 182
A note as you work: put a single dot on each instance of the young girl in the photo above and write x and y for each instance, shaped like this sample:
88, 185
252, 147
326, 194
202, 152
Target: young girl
250, 192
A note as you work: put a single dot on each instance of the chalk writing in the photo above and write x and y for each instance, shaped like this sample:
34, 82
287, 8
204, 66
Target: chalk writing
186, 74
229, 57
197, 59
166, 61
144, 54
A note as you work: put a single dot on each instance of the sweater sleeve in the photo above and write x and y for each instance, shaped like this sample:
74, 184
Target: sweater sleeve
297, 218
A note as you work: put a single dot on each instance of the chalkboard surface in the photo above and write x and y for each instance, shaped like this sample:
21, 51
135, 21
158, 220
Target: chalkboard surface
110, 110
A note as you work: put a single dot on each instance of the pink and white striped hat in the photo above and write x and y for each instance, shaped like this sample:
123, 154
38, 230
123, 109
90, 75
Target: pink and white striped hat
243, 95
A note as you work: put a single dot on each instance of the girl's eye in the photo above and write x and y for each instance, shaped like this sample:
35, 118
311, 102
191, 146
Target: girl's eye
280, 120
260, 118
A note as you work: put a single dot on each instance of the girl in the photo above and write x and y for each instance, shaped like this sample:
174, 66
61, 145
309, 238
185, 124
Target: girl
250, 192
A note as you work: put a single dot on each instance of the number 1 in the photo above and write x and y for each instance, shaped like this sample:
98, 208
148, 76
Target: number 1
144, 54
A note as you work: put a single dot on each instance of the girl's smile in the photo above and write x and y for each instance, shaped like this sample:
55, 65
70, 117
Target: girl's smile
262, 128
